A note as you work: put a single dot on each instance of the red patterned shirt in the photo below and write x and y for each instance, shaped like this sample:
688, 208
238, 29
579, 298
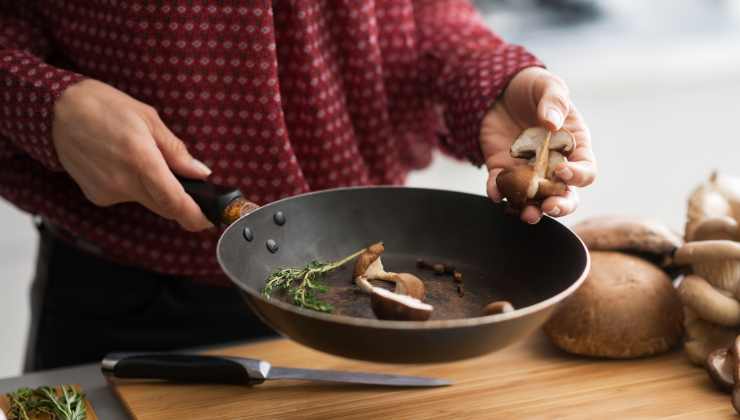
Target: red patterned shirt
276, 97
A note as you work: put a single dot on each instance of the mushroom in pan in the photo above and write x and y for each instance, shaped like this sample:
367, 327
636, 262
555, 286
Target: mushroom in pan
498, 307
534, 182
627, 306
405, 302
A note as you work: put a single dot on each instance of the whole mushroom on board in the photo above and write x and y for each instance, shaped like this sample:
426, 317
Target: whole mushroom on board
534, 182
405, 302
627, 307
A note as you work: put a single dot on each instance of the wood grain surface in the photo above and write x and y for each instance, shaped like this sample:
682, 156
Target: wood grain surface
529, 380
5, 405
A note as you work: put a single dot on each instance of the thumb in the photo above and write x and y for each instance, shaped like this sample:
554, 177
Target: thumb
176, 154
554, 103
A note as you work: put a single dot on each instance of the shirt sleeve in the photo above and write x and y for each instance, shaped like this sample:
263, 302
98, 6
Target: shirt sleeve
466, 66
28, 85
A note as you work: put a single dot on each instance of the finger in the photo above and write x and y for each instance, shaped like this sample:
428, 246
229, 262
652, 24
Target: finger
491, 188
579, 174
165, 195
553, 105
175, 152
531, 215
559, 206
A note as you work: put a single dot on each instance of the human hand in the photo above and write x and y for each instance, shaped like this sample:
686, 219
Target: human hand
118, 150
535, 97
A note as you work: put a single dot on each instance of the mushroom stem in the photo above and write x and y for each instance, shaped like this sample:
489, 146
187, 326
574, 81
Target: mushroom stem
543, 157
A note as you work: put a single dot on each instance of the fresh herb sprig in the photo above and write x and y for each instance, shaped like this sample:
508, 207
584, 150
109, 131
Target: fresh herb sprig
46, 402
302, 284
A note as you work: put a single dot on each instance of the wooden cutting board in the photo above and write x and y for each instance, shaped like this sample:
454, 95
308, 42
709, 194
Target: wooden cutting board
5, 405
529, 380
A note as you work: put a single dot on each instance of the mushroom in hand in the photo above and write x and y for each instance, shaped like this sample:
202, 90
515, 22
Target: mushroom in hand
535, 182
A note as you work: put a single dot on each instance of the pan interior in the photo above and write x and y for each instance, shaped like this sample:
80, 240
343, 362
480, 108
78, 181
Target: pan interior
500, 257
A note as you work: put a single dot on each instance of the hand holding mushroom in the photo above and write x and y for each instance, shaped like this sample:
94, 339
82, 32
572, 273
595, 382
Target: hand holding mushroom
536, 98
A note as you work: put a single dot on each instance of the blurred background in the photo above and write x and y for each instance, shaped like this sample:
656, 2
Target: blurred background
657, 81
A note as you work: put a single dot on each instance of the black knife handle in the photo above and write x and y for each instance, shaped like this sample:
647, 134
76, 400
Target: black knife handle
185, 368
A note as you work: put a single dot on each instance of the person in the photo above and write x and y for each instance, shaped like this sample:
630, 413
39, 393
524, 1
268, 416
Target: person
104, 104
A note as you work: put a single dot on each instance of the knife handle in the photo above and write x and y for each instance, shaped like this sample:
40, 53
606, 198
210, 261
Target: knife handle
185, 368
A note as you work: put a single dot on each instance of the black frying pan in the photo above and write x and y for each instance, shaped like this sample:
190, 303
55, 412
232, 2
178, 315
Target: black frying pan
501, 258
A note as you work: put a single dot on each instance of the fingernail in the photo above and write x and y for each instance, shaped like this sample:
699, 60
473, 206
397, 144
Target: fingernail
533, 221
201, 167
555, 117
565, 173
554, 212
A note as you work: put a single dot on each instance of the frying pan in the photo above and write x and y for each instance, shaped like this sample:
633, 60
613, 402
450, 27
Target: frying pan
535, 267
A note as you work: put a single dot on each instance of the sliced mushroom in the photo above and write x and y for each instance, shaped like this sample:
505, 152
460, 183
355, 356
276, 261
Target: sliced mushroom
720, 365
369, 263
533, 182
716, 261
498, 307
647, 238
409, 284
710, 304
392, 306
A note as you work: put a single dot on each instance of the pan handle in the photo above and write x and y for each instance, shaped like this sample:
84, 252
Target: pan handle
220, 205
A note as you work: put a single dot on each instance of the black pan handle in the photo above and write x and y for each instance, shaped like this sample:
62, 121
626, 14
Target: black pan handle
220, 205
185, 368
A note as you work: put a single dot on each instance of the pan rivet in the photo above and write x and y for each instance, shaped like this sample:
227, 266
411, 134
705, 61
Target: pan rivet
272, 246
248, 235
279, 218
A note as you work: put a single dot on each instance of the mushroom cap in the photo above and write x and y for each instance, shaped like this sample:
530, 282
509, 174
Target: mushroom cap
368, 257
392, 306
626, 308
498, 307
409, 284
518, 185
719, 366
529, 141
697, 252
705, 201
713, 228
703, 337
642, 236
708, 303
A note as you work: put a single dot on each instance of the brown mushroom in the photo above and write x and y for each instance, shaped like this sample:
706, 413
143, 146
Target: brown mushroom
716, 261
703, 337
626, 308
709, 303
716, 228
646, 238
706, 201
720, 365
530, 183
392, 306
498, 307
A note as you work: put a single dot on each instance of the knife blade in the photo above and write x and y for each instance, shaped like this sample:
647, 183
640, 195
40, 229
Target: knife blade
196, 368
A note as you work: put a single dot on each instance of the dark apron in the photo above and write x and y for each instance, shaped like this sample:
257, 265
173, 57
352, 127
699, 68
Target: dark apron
83, 307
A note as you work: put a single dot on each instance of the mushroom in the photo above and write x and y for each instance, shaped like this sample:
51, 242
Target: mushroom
393, 306
720, 364
534, 182
710, 304
369, 266
717, 261
716, 228
498, 307
703, 337
644, 237
706, 201
626, 308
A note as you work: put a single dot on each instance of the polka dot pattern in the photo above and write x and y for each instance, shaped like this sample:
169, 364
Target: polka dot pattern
278, 98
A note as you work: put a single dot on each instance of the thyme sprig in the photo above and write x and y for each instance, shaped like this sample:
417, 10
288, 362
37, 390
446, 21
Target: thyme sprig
303, 284
66, 404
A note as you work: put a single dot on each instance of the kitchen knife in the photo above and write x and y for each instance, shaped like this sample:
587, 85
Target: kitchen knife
238, 370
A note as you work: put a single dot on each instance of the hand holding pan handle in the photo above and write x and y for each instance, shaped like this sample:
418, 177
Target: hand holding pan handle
220, 205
